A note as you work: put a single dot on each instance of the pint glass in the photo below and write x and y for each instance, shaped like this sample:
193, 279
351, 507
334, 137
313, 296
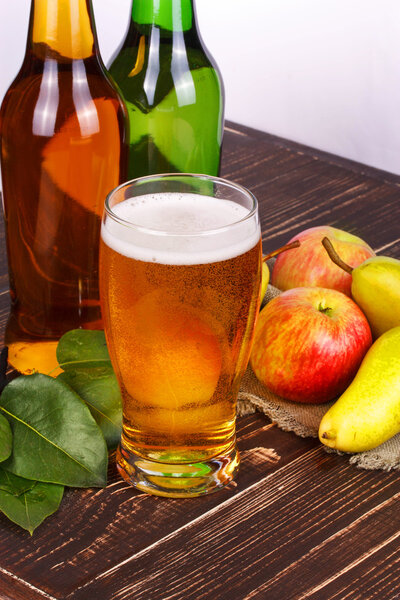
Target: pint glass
180, 271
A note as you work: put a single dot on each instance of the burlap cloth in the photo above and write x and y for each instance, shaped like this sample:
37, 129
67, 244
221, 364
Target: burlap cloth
304, 419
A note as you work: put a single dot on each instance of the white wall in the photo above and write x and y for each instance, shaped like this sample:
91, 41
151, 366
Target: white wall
322, 72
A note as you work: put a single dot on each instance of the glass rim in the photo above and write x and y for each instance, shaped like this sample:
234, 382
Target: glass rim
162, 232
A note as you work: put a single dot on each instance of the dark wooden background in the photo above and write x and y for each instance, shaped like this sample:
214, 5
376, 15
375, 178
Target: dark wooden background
298, 523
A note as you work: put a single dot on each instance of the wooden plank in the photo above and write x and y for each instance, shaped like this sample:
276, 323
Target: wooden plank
248, 160
306, 199
300, 190
253, 536
12, 588
390, 249
4, 283
376, 576
4, 310
61, 554
340, 561
328, 158
293, 507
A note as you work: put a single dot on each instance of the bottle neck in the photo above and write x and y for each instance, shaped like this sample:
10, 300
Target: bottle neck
171, 15
63, 26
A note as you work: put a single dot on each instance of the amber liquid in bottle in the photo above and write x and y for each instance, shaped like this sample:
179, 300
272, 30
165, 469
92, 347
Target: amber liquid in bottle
62, 152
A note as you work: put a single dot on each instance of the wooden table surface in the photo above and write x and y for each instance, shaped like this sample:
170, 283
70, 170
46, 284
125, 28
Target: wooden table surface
298, 522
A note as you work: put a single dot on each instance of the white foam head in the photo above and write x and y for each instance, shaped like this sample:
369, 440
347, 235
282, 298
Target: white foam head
180, 229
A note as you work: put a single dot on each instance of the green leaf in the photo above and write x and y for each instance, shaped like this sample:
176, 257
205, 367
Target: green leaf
5, 438
30, 509
55, 438
13, 484
81, 348
99, 388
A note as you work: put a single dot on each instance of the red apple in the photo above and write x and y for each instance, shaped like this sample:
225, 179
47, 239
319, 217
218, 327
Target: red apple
309, 265
309, 343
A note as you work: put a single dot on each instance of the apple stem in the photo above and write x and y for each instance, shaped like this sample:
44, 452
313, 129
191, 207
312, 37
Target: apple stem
294, 244
325, 309
334, 256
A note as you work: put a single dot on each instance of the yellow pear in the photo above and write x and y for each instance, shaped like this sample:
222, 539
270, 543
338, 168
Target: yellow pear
264, 280
368, 412
375, 288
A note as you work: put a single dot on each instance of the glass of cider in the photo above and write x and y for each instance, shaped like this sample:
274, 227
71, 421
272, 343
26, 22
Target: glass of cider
180, 272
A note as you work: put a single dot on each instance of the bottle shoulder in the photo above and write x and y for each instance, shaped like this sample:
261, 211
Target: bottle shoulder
47, 96
146, 73
155, 45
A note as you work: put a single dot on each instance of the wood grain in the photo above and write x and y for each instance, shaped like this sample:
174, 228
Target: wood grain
103, 517
342, 558
12, 588
274, 523
307, 188
298, 522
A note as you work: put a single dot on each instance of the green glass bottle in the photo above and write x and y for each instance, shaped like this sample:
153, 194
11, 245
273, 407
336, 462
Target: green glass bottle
172, 89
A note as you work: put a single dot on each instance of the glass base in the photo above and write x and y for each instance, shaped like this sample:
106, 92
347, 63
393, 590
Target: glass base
177, 480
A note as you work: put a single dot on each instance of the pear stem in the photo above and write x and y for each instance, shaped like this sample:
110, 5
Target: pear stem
329, 435
334, 256
294, 244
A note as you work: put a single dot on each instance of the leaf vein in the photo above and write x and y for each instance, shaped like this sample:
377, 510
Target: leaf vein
27, 425
27, 513
85, 362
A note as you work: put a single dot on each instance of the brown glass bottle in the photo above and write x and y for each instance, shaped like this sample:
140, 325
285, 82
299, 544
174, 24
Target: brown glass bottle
62, 128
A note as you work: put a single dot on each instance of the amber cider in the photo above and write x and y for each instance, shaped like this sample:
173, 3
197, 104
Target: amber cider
180, 277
